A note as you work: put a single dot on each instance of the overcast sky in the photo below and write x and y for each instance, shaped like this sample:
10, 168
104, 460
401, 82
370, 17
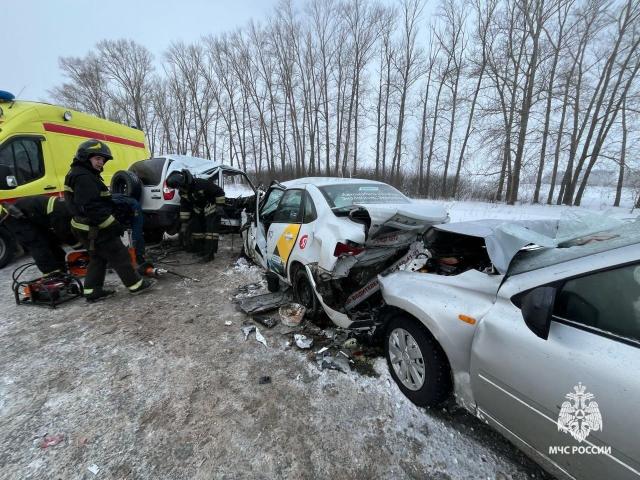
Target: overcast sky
34, 33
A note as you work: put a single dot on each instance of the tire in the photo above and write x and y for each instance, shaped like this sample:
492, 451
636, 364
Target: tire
7, 247
428, 383
273, 282
303, 293
126, 182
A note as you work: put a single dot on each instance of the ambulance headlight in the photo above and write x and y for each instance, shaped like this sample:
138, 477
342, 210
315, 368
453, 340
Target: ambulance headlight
67, 116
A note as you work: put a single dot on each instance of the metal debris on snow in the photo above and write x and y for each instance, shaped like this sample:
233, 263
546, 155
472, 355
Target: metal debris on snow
268, 321
326, 361
260, 338
264, 380
263, 303
302, 341
94, 469
247, 329
228, 323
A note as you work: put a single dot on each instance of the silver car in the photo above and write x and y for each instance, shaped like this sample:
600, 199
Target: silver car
534, 329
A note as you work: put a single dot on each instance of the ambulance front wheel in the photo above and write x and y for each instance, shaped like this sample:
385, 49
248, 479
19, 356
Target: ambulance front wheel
7, 247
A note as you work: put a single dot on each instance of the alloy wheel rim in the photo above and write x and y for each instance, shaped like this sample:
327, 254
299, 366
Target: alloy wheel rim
406, 359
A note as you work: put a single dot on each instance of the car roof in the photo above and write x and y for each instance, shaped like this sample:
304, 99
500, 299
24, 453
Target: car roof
198, 164
324, 181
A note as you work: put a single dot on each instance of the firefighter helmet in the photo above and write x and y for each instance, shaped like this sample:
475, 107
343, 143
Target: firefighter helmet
92, 147
179, 179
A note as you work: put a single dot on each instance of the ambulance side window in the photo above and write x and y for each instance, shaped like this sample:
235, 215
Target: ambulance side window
23, 156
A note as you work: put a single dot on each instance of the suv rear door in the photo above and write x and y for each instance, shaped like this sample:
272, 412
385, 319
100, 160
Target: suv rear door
151, 173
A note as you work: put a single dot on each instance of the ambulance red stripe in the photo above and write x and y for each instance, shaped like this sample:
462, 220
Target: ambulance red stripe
80, 132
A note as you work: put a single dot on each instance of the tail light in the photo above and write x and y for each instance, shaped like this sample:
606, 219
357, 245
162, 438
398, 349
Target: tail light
167, 192
348, 248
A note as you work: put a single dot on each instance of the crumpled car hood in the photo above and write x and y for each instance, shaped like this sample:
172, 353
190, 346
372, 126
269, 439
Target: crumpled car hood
504, 239
410, 217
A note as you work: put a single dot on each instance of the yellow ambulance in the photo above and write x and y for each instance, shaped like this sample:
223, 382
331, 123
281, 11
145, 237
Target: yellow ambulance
38, 142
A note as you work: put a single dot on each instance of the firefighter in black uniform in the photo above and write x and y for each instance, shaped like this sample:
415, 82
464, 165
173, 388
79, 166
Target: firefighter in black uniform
201, 208
41, 225
89, 202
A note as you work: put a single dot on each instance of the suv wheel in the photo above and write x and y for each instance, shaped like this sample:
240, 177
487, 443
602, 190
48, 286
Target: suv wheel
7, 247
417, 362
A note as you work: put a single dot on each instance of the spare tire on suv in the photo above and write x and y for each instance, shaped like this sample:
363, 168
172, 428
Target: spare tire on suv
126, 182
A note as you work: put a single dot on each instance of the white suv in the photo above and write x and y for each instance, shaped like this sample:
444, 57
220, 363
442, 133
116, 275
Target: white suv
146, 181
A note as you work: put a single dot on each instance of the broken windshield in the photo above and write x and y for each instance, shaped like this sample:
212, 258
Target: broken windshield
347, 194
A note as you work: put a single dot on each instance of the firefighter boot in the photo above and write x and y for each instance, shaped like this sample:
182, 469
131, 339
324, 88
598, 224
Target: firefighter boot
97, 294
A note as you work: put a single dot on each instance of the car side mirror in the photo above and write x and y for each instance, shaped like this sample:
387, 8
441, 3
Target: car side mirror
7, 180
537, 310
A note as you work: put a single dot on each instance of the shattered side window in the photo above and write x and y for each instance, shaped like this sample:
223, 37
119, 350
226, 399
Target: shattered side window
289, 210
608, 301
347, 194
270, 204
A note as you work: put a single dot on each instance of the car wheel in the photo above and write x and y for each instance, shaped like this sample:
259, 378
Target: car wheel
416, 362
7, 247
303, 293
127, 183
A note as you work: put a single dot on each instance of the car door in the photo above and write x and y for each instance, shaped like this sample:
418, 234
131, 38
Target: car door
307, 247
283, 231
583, 376
256, 233
154, 191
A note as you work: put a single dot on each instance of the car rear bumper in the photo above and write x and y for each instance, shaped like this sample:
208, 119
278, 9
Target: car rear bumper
166, 218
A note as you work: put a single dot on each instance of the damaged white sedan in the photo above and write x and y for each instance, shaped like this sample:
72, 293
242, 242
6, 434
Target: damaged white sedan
535, 327
329, 238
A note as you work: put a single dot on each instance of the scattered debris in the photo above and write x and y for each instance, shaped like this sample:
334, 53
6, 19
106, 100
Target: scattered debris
326, 361
323, 349
350, 343
291, 314
151, 343
263, 303
93, 469
228, 323
51, 440
248, 290
302, 341
268, 321
264, 380
260, 338
247, 329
